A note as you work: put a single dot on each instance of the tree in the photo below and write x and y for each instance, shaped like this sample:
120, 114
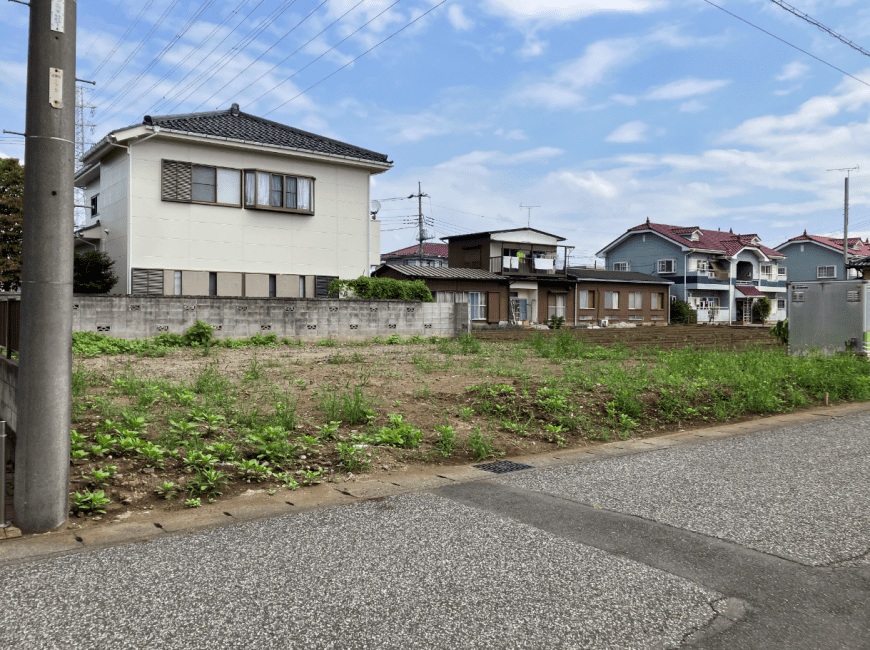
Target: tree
761, 309
11, 216
93, 273
682, 313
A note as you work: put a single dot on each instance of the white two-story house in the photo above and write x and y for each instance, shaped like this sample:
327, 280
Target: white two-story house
229, 204
721, 274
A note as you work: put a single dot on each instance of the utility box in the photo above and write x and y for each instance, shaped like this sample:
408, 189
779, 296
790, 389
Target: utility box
830, 316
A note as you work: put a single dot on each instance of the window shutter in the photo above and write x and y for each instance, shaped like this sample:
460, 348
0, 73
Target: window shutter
148, 281
176, 181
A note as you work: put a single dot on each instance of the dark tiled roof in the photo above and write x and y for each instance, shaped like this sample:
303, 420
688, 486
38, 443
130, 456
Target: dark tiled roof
428, 249
857, 246
726, 243
749, 290
237, 125
443, 273
859, 262
615, 276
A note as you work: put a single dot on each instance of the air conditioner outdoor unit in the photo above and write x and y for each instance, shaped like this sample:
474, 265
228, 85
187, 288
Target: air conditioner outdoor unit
603, 322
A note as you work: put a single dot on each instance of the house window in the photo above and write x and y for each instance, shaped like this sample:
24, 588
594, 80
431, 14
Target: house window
212, 283
657, 301
767, 271
321, 286
826, 272
188, 183
667, 266
273, 191
557, 305
477, 305
611, 300
94, 207
586, 300
442, 296
273, 286
635, 300
781, 272
780, 304
301, 286
178, 283
622, 266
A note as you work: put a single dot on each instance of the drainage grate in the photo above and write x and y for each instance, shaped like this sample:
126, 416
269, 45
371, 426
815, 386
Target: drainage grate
502, 466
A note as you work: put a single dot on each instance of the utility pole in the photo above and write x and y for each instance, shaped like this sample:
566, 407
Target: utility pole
848, 170
84, 129
529, 208
420, 232
45, 365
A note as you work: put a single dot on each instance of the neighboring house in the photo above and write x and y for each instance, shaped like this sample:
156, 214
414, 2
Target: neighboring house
230, 204
433, 255
721, 274
620, 296
816, 257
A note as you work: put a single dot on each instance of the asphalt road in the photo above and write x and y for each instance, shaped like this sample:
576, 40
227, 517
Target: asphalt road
753, 542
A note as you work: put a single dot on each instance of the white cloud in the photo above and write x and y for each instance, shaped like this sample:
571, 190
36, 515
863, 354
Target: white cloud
693, 106
793, 70
515, 134
628, 132
458, 19
477, 158
684, 88
551, 11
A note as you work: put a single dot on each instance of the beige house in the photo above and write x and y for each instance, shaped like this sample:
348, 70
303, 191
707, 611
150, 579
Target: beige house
229, 204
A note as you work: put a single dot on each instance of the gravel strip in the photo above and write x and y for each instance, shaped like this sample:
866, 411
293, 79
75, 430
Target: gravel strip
408, 572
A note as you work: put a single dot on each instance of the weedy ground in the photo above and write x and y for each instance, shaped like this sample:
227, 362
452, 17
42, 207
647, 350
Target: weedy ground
186, 426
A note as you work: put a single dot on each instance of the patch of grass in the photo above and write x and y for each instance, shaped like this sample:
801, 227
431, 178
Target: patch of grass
348, 404
481, 446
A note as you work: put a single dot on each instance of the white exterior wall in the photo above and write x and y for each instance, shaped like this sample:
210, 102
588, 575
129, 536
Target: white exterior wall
112, 206
168, 235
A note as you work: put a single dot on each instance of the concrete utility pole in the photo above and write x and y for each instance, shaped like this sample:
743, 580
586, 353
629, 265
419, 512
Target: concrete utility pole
45, 366
848, 170
420, 232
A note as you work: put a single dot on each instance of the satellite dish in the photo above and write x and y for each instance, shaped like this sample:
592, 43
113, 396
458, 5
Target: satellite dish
376, 205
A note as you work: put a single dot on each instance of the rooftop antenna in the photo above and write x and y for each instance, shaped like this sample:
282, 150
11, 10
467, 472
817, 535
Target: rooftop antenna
848, 170
529, 208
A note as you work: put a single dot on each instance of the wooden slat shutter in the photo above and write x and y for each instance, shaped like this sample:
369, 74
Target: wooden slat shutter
321, 286
176, 181
493, 308
148, 281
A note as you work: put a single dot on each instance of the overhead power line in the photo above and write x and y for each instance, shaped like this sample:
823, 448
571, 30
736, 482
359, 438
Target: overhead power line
830, 65
430, 10
813, 21
122, 39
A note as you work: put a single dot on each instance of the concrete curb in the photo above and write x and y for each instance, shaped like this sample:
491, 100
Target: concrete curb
16, 548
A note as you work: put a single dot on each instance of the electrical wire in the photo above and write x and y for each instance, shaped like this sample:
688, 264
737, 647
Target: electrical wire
134, 81
314, 60
102, 29
815, 22
358, 57
136, 49
237, 49
178, 64
830, 65
123, 38
288, 56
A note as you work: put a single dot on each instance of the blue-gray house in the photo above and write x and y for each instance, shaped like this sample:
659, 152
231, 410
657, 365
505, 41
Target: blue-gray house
721, 274
816, 257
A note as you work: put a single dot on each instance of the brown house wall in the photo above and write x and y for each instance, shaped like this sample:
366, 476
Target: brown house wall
494, 315
456, 253
554, 288
599, 312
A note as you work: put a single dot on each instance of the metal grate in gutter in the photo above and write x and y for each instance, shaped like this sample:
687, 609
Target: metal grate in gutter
503, 466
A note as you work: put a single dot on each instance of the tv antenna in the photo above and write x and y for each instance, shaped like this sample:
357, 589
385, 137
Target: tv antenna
529, 208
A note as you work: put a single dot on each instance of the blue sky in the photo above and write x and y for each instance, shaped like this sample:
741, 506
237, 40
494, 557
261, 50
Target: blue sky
601, 112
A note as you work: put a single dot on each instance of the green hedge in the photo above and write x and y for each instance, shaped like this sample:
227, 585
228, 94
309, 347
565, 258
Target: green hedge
381, 289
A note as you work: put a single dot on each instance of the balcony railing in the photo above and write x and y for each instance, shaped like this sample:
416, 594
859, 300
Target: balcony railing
527, 266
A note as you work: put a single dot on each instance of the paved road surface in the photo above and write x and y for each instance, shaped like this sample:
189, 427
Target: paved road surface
759, 541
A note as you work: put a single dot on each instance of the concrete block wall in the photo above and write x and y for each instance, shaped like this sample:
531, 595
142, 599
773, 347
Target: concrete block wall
132, 317
8, 392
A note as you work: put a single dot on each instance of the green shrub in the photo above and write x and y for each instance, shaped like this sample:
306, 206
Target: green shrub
198, 334
682, 313
761, 309
93, 273
780, 331
381, 289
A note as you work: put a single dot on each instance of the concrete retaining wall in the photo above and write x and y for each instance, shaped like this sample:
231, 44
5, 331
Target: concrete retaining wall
132, 317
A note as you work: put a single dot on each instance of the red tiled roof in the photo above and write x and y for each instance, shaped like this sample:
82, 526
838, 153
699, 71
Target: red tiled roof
428, 249
712, 240
863, 248
749, 290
